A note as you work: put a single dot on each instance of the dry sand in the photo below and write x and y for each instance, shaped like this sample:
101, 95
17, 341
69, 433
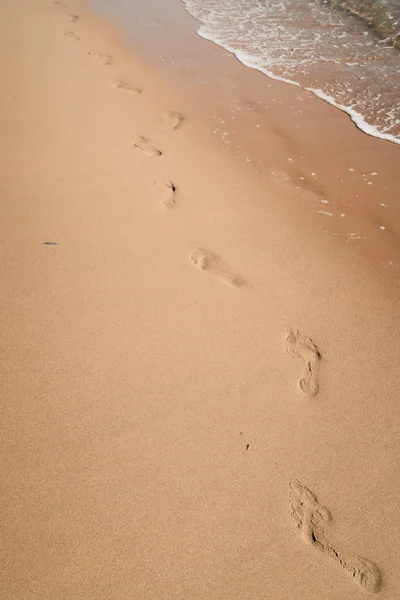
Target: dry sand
199, 385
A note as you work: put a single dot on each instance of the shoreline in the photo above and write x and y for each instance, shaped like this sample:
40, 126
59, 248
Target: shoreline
185, 337
357, 118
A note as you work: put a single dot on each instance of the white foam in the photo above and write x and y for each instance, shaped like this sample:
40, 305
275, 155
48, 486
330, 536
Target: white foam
357, 119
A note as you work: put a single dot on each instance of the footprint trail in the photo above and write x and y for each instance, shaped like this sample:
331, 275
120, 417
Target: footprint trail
211, 263
312, 518
302, 347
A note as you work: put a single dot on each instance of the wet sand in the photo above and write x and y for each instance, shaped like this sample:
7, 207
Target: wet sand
199, 380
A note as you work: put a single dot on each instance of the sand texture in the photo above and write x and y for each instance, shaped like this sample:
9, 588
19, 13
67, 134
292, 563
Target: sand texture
199, 386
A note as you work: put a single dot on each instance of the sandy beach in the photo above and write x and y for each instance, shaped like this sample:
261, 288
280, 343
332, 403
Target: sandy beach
200, 356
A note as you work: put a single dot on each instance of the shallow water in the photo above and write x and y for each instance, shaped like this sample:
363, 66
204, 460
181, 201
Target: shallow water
316, 45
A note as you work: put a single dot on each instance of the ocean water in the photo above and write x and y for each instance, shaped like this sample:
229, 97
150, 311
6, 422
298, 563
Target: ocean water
344, 51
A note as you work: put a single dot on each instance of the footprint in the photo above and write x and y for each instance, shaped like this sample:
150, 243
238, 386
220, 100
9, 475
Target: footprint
72, 35
102, 59
207, 261
171, 120
122, 85
169, 198
300, 346
142, 143
56, 4
311, 518
74, 18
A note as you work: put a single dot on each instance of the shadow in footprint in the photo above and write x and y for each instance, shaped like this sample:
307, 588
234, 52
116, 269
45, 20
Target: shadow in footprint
211, 263
56, 4
171, 120
300, 346
312, 518
169, 198
126, 87
142, 144
102, 59
72, 35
